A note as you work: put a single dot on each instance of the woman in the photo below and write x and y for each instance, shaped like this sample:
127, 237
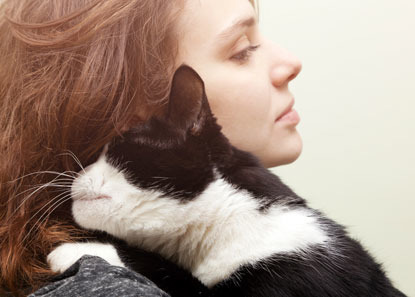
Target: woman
76, 73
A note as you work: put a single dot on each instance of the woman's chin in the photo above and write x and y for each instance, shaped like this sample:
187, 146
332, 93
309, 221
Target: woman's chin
284, 154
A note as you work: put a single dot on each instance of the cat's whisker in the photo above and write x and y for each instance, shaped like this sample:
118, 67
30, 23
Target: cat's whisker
76, 194
57, 201
65, 173
40, 185
64, 194
57, 181
75, 158
38, 188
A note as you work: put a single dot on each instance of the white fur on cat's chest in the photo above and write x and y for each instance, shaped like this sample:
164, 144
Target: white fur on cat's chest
211, 236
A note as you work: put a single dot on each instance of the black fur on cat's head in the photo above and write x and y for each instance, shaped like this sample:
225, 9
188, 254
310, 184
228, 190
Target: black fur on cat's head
186, 114
175, 151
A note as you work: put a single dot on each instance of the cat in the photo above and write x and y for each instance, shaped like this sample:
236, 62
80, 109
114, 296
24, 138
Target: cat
175, 187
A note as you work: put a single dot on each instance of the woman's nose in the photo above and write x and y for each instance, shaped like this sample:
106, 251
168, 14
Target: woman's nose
285, 66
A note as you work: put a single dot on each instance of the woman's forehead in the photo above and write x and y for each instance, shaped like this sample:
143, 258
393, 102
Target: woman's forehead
214, 18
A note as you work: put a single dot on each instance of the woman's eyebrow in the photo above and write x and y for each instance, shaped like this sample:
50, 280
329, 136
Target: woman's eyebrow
236, 27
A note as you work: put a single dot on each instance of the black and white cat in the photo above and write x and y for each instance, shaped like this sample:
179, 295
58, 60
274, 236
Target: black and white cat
174, 186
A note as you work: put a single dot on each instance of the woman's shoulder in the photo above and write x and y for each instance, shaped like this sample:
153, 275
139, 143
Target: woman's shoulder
93, 276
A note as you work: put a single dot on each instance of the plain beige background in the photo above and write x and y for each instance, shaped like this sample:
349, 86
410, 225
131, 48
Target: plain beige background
356, 99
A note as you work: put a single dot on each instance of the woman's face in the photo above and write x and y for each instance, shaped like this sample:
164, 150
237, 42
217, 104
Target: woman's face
246, 77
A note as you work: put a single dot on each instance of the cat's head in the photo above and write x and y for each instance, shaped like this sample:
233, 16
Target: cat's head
144, 174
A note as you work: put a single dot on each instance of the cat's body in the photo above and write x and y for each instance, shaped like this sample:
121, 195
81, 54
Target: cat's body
176, 187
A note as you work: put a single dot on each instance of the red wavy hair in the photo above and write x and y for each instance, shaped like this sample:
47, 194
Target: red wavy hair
73, 74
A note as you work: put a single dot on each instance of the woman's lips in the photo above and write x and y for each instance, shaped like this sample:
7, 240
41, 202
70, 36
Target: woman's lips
290, 115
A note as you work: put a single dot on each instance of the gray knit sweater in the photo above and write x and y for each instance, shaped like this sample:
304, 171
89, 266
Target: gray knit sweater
93, 276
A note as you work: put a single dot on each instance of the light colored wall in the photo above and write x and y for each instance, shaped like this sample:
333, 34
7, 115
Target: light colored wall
356, 98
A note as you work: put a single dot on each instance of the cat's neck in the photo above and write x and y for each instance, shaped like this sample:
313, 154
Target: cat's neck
218, 232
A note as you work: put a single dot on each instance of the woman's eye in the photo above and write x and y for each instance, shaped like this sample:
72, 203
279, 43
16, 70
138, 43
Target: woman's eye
244, 55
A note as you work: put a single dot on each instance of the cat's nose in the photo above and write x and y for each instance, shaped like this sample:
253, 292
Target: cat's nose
93, 177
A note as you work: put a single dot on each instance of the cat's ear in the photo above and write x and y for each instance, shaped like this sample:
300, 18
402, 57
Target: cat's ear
188, 108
